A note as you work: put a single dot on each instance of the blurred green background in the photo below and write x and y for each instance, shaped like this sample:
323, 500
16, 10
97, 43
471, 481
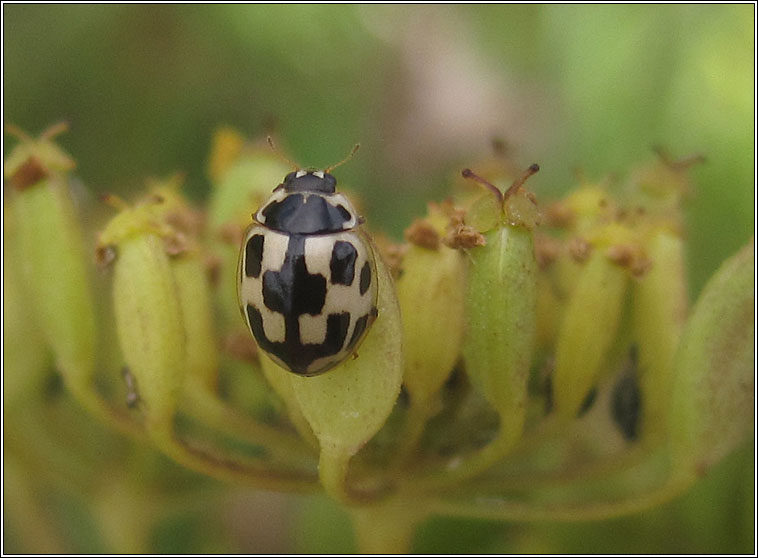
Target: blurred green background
424, 89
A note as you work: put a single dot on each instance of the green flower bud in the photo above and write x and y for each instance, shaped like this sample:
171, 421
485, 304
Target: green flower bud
659, 306
194, 297
430, 291
590, 321
54, 266
501, 300
714, 383
190, 276
501, 322
349, 404
149, 318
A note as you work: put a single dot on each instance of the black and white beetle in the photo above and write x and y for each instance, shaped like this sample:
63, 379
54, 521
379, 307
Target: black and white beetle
307, 283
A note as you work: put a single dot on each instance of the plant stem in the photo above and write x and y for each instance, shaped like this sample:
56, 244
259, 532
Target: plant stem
333, 467
505, 510
251, 472
419, 413
386, 528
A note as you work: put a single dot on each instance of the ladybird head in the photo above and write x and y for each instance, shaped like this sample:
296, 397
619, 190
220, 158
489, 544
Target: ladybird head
309, 181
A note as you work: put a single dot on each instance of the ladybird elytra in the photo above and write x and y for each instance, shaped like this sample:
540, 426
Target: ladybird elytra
307, 283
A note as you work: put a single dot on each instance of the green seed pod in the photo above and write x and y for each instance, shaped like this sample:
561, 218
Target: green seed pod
501, 322
430, 292
348, 405
149, 318
197, 315
501, 309
714, 383
166, 204
54, 266
659, 306
589, 326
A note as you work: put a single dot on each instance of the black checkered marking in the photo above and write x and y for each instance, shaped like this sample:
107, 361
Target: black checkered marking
309, 308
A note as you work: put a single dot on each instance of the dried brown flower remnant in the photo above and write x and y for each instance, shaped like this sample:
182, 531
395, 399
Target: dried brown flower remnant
423, 234
29, 173
463, 237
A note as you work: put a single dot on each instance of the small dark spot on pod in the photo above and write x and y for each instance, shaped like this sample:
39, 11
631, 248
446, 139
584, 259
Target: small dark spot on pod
547, 388
53, 385
626, 402
589, 400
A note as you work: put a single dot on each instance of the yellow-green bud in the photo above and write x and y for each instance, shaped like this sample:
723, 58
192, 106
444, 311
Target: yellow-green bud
149, 324
589, 326
149, 317
190, 278
54, 262
583, 209
659, 306
714, 384
430, 291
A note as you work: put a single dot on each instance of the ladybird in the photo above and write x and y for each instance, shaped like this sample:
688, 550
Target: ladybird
307, 283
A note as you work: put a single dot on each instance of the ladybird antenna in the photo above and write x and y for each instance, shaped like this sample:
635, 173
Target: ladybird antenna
281, 155
345, 160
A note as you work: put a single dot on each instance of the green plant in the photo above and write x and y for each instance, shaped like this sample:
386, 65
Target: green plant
551, 365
